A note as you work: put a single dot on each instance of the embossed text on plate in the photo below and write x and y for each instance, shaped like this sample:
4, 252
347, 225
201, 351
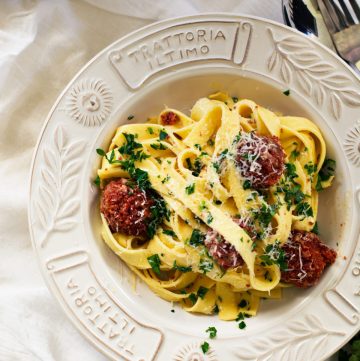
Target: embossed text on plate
178, 45
94, 307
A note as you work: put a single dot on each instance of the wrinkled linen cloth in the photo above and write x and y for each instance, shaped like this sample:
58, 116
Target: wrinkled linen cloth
43, 44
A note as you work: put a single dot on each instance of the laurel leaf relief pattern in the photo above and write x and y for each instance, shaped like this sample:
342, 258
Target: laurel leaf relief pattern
57, 202
298, 62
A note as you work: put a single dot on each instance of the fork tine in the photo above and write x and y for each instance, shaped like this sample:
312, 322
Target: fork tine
356, 8
327, 18
336, 14
349, 18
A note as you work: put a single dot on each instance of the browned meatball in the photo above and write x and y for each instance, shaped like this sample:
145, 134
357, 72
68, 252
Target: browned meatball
260, 159
126, 209
306, 257
222, 251
169, 118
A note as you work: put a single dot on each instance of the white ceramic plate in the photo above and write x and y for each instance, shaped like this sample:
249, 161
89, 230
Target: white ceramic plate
174, 63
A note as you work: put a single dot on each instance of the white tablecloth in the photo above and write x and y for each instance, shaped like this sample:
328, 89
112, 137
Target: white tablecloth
42, 46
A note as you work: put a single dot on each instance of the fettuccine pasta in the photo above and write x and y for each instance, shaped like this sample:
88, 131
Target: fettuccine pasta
215, 231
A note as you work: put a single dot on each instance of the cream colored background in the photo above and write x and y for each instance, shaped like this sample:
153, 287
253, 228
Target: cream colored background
43, 44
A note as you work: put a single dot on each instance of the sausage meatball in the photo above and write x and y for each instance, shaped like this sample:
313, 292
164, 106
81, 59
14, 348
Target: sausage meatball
222, 251
260, 159
306, 257
169, 118
126, 209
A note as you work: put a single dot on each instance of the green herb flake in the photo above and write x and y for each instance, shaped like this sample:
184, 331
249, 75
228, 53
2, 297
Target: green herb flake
190, 189
150, 130
310, 168
205, 265
154, 262
202, 292
290, 171
286, 92
327, 170
304, 209
205, 347
242, 325
162, 135
274, 254
243, 303
183, 269
294, 154
212, 331
130, 117
209, 218
246, 184
101, 152
97, 181
193, 298
166, 179
202, 206
169, 232
235, 99
315, 228
197, 238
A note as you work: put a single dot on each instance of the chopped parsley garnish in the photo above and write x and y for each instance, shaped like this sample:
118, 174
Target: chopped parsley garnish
101, 152
246, 184
166, 179
159, 146
205, 265
315, 228
150, 130
274, 255
162, 135
212, 331
235, 99
158, 213
243, 303
193, 298
267, 276
266, 213
169, 232
293, 193
182, 268
242, 325
217, 201
286, 92
290, 171
216, 166
253, 246
205, 347
154, 262
310, 168
202, 292
97, 181
304, 209
209, 218
188, 163
294, 154
202, 206
190, 189
327, 170
197, 238
130, 117
197, 146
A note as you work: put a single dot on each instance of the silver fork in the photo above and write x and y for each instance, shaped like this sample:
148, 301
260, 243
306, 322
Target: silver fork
344, 28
